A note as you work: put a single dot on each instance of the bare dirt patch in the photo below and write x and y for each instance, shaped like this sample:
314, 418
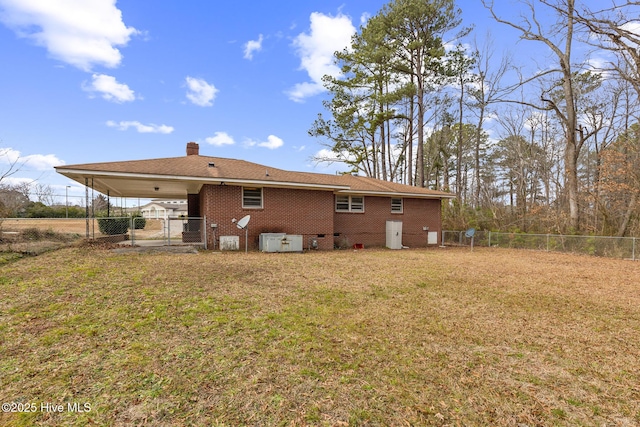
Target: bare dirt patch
421, 337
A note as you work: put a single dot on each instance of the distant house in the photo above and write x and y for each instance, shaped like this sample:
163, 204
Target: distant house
325, 209
164, 209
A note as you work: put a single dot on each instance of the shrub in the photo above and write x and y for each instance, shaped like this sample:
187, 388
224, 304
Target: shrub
112, 226
139, 222
37, 234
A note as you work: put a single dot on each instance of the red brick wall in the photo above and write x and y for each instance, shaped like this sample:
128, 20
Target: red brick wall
312, 214
369, 228
305, 212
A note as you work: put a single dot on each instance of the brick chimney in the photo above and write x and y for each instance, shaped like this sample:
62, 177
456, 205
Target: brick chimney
193, 149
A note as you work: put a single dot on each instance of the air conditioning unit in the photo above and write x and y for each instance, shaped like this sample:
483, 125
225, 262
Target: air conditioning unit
291, 243
279, 242
270, 242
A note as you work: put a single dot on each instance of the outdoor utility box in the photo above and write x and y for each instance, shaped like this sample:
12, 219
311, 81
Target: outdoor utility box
280, 242
394, 234
291, 243
270, 242
229, 243
432, 238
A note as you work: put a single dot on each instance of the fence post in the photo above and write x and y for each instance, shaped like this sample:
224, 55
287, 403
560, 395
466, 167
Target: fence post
169, 231
133, 231
633, 250
547, 242
204, 225
489, 238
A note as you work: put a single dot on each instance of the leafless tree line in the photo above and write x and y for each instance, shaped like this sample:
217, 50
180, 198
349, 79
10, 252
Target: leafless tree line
533, 147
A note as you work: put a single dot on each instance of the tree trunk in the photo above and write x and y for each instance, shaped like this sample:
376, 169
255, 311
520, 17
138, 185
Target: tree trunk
627, 216
459, 146
409, 156
420, 149
477, 156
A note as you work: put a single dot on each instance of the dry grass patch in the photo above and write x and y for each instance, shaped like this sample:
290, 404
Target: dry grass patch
419, 337
72, 225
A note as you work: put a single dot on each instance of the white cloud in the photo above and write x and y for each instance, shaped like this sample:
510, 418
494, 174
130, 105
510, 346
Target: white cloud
632, 27
42, 162
82, 33
12, 181
39, 162
141, 128
330, 156
272, 142
9, 155
327, 34
300, 91
219, 139
332, 162
200, 92
109, 88
252, 46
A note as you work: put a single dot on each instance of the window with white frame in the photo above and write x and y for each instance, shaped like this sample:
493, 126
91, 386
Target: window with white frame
349, 204
396, 205
251, 197
342, 203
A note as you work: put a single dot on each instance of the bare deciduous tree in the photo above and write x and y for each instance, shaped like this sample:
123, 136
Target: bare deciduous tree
559, 38
9, 163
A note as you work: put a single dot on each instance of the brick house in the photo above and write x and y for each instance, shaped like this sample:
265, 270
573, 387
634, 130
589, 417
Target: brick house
327, 209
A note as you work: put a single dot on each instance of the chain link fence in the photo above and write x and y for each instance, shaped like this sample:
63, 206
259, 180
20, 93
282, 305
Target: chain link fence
36, 235
611, 247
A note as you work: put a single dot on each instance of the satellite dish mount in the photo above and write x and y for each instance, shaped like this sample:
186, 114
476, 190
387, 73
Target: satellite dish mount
242, 225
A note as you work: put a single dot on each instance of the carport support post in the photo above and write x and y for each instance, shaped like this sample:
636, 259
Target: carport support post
93, 212
86, 205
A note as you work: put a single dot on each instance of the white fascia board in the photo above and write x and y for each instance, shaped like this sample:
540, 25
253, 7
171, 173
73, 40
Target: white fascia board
203, 180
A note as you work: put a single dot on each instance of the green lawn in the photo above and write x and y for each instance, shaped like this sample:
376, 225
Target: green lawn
440, 337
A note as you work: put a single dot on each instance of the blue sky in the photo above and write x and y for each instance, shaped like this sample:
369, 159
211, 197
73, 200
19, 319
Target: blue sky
88, 81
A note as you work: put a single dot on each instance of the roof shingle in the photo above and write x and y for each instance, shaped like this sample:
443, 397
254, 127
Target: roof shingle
219, 169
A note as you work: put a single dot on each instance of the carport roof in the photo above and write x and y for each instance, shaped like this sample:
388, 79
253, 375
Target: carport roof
174, 177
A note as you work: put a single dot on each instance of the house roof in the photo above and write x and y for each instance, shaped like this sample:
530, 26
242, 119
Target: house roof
174, 177
165, 205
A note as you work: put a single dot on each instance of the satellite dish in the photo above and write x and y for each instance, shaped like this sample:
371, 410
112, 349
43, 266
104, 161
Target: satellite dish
242, 225
244, 221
